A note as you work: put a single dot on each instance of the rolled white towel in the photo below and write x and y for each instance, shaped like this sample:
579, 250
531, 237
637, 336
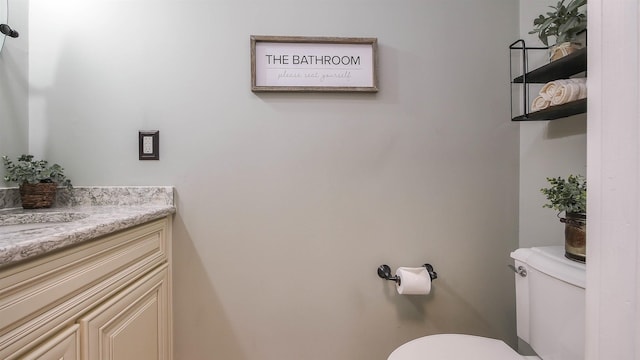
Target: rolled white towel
575, 91
565, 93
582, 84
562, 50
548, 91
583, 91
540, 103
561, 96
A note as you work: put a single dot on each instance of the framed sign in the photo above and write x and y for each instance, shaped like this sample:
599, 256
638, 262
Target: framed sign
296, 63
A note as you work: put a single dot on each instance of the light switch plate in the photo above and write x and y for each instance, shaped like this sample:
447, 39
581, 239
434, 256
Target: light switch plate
149, 145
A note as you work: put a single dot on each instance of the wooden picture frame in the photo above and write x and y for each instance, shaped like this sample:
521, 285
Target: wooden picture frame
313, 64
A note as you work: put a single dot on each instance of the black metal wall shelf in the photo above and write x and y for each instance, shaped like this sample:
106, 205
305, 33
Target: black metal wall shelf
555, 112
562, 68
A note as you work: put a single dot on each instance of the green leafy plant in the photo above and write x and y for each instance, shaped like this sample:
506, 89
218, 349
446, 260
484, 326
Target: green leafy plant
568, 195
565, 22
28, 170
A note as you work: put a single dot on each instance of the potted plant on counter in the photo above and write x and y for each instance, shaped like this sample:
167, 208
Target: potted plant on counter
38, 181
570, 196
564, 23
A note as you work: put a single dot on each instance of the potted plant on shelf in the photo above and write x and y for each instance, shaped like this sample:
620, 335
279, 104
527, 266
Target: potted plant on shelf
564, 23
570, 196
38, 181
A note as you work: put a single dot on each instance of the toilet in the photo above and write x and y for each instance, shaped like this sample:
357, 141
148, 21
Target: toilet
550, 314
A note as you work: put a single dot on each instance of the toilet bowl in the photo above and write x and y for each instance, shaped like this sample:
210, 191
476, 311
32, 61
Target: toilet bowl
550, 308
456, 347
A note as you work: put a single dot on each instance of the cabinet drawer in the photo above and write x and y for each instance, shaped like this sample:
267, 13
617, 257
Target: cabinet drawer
37, 297
64, 346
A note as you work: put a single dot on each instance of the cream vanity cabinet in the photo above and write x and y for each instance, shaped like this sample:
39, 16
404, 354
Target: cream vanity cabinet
108, 298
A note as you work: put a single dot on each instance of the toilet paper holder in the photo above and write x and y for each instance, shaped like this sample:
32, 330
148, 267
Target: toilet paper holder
384, 271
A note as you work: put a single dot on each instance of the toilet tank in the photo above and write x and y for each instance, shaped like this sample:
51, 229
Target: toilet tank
550, 302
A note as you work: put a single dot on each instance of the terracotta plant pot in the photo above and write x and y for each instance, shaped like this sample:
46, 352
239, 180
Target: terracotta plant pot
37, 196
575, 236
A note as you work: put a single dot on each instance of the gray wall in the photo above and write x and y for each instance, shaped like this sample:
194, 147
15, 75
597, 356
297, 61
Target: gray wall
547, 149
14, 65
287, 203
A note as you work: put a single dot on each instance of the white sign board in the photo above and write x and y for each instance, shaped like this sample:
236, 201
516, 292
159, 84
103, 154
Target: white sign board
313, 64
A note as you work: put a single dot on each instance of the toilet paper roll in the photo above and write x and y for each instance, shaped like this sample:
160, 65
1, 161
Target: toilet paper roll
413, 281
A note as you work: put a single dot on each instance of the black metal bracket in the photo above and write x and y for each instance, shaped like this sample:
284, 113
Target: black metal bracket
384, 272
520, 45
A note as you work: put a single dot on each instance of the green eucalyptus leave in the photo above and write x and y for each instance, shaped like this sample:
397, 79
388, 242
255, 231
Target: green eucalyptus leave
28, 170
568, 195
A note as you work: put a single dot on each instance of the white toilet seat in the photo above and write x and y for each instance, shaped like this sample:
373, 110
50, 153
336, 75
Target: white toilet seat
455, 347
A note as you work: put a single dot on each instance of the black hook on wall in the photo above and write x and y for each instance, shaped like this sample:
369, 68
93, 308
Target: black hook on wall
384, 272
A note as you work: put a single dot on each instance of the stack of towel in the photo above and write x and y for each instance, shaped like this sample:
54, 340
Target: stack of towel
560, 92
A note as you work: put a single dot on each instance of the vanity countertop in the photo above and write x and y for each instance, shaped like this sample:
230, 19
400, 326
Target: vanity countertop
87, 214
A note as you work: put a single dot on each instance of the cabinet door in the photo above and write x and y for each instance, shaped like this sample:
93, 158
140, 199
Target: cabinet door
64, 346
133, 325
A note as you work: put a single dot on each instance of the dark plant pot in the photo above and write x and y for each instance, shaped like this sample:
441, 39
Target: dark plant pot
575, 236
37, 196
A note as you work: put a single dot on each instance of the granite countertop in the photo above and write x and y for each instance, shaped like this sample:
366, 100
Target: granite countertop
79, 215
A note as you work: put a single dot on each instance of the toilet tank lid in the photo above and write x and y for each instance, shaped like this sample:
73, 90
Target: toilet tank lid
550, 260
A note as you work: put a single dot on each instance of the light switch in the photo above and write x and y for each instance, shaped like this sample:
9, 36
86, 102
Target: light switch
149, 145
